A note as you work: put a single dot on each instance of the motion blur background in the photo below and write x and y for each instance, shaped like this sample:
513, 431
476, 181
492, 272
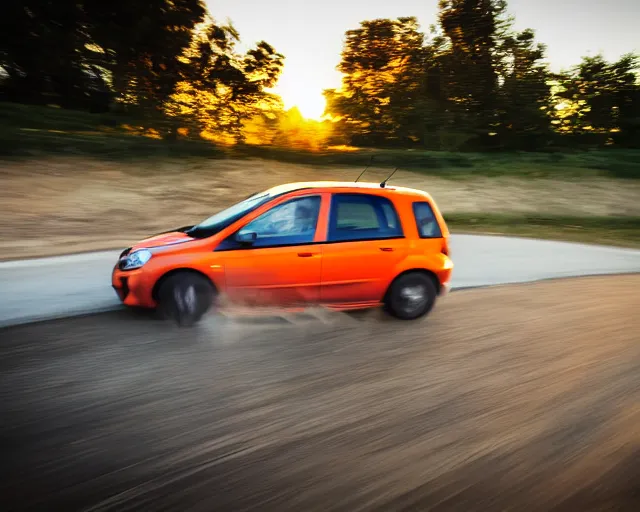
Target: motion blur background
121, 119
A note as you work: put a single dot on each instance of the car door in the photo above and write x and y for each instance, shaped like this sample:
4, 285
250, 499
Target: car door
365, 243
282, 264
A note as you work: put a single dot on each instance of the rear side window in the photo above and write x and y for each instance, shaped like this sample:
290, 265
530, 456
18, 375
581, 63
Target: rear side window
426, 221
362, 217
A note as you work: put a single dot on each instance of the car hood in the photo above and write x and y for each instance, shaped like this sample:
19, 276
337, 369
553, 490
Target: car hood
163, 240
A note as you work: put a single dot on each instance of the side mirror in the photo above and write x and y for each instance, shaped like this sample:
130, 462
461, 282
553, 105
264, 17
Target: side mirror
246, 237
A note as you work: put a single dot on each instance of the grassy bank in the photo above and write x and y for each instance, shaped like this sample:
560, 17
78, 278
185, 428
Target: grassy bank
51, 206
29, 131
619, 231
620, 164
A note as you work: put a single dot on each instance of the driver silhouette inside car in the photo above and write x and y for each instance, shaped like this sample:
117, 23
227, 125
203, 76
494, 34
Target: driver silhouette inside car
304, 219
299, 222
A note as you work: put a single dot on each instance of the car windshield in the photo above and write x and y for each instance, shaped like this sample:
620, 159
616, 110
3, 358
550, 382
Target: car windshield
225, 218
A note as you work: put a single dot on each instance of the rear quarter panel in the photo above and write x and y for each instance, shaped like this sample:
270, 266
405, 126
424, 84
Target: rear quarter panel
423, 253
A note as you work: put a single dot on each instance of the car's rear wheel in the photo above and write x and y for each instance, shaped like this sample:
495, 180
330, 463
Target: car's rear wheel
411, 296
185, 297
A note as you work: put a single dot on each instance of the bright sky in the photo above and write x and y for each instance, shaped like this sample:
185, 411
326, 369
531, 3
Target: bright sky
310, 33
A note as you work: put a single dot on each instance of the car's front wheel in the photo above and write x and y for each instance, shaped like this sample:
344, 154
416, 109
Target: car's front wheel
185, 297
411, 296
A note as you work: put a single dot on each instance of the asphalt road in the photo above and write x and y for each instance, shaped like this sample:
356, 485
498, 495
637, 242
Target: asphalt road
69, 285
504, 399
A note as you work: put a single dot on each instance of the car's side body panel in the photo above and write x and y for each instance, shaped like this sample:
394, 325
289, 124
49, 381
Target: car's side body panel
275, 275
359, 271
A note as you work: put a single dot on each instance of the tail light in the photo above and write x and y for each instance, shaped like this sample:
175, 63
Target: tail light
445, 246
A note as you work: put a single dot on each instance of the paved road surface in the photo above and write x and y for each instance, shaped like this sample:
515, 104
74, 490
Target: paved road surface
504, 399
69, 285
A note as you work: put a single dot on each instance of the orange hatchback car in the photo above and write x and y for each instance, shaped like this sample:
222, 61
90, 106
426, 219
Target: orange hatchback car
346, 246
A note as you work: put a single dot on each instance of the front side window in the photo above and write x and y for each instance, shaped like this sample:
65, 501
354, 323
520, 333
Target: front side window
426, 221
290, 223
362, 217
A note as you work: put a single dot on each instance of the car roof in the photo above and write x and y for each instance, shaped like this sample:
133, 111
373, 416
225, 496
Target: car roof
360, 186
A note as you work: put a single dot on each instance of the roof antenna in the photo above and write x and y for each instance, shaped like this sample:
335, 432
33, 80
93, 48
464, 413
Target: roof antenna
365, 169
384, 183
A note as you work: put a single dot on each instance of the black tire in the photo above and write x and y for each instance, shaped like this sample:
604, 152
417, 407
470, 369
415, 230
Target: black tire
411, 296
185, 297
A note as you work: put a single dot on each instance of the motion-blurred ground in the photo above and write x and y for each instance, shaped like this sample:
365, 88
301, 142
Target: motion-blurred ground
59, 205
514, 398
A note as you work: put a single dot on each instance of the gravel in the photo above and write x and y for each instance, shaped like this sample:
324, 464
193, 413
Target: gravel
513, 398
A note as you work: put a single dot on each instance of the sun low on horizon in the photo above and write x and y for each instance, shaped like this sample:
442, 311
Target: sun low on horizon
309, 101
311, 108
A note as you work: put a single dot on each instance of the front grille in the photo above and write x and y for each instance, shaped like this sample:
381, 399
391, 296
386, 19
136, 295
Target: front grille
124, 281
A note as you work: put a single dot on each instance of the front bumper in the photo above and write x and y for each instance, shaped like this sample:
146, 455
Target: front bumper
132, 288
445, 289
122, 288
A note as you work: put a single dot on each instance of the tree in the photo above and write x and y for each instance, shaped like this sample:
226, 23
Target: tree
381, 64
140, 44
63, 51
158, 60
223, 89
42, 52
628, 102
472, 29
474, 84
525, 93
441, 120
606, 96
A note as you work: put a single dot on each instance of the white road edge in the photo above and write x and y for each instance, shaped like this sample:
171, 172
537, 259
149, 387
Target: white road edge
62, 286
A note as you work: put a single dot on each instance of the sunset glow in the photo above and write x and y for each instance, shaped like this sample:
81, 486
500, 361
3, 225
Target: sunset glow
311, 35
309, 101
311, 107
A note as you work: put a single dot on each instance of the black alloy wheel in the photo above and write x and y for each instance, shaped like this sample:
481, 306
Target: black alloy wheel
185, 297
411, 296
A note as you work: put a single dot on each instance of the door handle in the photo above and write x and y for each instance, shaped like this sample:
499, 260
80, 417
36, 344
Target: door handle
386, 249
306, 254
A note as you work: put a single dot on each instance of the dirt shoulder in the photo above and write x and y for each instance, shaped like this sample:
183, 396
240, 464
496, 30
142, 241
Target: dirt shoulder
64, 205
511, 398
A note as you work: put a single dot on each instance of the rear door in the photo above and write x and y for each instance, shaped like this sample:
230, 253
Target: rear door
283, 264
365, 243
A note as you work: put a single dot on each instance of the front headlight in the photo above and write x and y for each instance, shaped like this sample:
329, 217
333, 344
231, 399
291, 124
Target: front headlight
135, 259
